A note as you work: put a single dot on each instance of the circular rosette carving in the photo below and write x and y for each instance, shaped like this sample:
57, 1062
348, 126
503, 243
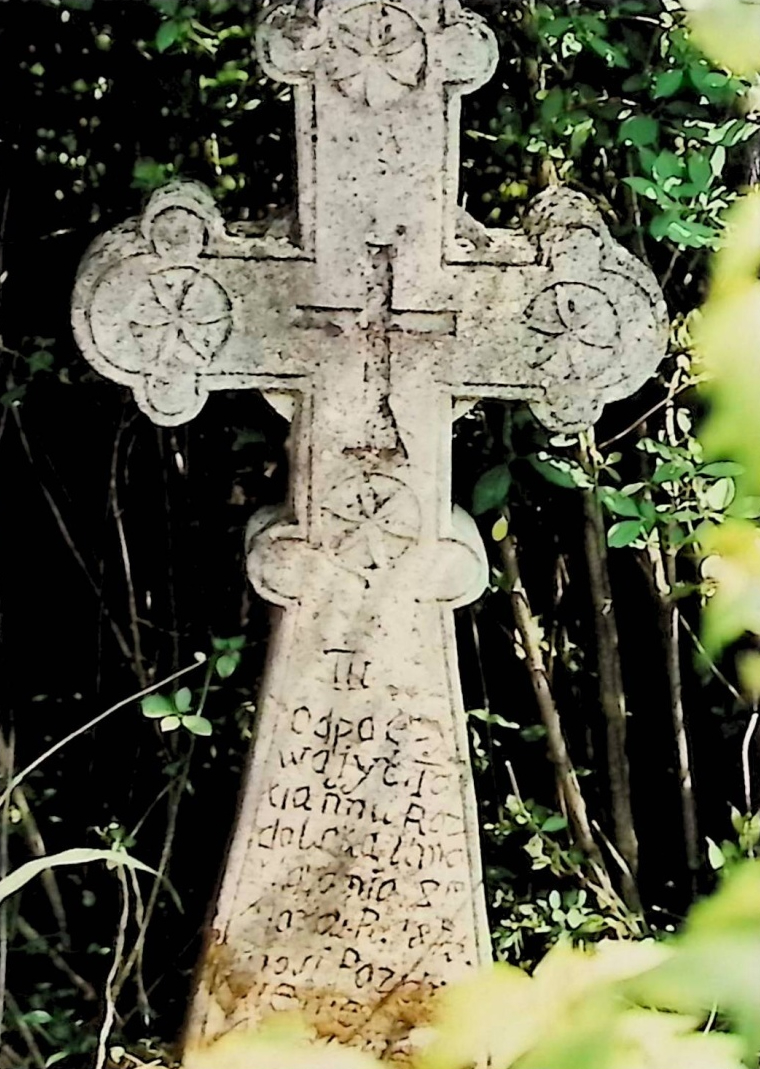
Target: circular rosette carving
180, 314
578, 324
597, 329
156, 317
370, 520
376, 53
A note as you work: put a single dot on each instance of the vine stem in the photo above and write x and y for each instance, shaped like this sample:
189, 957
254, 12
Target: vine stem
110, 1010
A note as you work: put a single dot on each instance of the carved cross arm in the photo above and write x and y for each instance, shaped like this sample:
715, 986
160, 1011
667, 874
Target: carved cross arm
172, 306
583, 326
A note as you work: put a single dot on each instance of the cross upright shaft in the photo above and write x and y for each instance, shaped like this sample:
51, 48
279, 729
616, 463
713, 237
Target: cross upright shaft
353, 885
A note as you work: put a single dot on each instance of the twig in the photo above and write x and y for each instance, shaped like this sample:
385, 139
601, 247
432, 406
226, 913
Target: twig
4, 865
136, 829
170, 554
650, 412
110, 1011
143, 1002
751, 729
135, 956
134, 620
66, 535
710, 1023
25, 1031
558, 753
12, 1058
28, 932
35, 843
513, 781
710, 662
96, 720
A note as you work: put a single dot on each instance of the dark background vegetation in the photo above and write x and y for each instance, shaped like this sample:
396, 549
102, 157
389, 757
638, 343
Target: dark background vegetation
122, 543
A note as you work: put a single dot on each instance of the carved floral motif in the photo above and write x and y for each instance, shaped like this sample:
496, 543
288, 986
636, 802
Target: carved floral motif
182, 313
371, 520
155, 317
376, 53
574, 318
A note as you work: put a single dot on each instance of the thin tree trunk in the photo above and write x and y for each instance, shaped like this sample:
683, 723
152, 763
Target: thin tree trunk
663, 578
611, 693
567, 779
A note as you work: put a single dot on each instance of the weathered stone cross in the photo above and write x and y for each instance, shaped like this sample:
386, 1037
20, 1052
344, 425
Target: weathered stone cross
353, 886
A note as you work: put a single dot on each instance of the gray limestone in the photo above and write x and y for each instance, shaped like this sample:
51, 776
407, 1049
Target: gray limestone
353, 886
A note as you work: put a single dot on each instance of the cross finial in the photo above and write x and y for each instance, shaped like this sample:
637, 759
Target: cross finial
378, 88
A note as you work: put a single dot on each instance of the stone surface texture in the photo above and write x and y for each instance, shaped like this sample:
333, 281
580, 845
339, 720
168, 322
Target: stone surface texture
353, 886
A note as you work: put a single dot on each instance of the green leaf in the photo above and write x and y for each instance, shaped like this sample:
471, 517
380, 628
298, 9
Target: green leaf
197, 725
560, 472
155, 706
227, 664
57, 1057
500, 529
720, 495
552, 105
168, 32
611, 54
556, 27
709, 83
639, 130
619, 504
686, 232
221, 645
718, 161
147, 174
554, 823
183, 699
37, 1017
647, 187
42, 360
745, 508
667, 166
715, 856
574, 918
170, 723
667, 83
17, 879
700, 171
11, 396
580, 135
492, 718
671, 472
491, 489
722, 468
623, 533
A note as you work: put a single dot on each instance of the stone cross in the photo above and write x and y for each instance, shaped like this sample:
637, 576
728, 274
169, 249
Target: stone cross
353, 886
